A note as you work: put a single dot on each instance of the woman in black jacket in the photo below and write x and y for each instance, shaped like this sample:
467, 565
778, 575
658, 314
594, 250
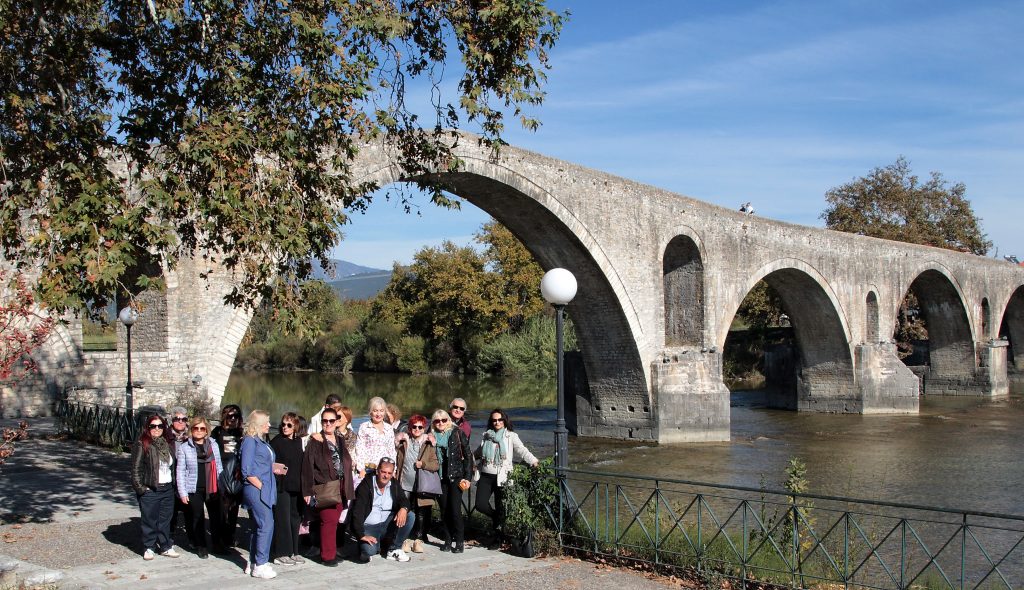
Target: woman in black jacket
153, 480
456, 461
326, 460
229, 438
287, 447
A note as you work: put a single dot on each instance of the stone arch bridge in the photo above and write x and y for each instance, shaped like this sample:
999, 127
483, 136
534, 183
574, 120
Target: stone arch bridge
660, 279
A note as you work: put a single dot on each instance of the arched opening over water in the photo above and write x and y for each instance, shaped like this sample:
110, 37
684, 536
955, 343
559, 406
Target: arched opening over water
815, 362
947, 347
871, 318
683, 285
1012, 328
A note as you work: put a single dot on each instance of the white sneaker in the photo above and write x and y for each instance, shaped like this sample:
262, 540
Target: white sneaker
171, 553
148, 555
397, 555
264, 571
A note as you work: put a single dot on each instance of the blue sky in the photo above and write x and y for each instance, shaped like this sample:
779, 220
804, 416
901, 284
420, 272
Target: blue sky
768, 102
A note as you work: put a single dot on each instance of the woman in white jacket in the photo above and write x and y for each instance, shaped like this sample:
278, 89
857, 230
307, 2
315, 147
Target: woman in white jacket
500, 447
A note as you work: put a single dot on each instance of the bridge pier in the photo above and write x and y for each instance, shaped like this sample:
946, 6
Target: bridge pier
692, 401
887, 386
988, 379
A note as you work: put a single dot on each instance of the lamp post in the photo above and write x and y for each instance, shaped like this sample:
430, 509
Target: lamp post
558, 288
128, 317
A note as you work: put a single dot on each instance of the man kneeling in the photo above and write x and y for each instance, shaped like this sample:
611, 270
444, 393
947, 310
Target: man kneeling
380, 511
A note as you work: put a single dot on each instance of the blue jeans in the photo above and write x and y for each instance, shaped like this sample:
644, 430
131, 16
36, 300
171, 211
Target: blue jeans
388, 526
262, 517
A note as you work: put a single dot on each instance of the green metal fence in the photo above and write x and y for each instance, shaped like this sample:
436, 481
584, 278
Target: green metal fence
756, 536
103, 425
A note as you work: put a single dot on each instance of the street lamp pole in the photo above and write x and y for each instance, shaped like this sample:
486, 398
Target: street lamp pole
558, 288
128, 317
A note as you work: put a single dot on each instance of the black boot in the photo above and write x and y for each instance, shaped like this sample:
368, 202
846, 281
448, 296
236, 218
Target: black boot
446, 543
459, 548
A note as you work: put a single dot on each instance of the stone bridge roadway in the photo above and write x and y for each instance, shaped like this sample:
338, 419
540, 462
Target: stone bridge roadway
660, 278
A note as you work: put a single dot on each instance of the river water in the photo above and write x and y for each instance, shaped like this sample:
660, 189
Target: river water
958, 452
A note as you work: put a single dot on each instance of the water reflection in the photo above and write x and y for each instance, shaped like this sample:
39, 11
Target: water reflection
960, 452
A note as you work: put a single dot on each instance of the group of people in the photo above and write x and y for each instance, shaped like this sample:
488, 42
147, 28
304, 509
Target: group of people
375, 487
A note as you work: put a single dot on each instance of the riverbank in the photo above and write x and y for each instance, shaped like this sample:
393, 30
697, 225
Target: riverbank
69, 519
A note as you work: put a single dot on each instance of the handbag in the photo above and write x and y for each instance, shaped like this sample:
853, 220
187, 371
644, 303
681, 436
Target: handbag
230, 481
428, 484
328, 495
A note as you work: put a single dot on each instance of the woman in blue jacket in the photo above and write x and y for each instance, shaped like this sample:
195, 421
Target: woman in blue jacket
259, 492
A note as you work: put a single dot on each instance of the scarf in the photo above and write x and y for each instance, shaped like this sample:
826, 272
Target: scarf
495, 447
163, 450
205, 461
441, 447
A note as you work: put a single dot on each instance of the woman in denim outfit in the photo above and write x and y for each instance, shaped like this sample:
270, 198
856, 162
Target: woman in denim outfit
259, 492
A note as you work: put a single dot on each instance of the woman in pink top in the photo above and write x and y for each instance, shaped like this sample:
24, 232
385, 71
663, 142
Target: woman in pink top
374, 440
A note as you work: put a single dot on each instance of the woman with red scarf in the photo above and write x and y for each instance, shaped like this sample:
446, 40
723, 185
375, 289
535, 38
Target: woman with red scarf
199, 466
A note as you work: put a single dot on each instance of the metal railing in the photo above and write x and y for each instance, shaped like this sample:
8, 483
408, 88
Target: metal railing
96, 423
757, 537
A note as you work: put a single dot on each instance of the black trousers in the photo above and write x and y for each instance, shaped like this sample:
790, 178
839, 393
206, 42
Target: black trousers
424, 516
451, 512
186, 515
196, 521
229, 517
485, 488
156, 507
287, 517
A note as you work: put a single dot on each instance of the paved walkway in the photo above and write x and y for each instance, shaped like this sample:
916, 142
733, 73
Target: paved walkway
68, 516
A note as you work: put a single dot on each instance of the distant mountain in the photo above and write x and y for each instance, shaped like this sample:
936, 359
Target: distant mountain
361, 286
342, 269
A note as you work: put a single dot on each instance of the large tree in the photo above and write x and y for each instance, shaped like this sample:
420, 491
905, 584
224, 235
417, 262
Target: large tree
136, 132
894, 204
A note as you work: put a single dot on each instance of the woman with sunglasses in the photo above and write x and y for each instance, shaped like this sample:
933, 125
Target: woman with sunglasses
500, 447
229, 437
456, 460
416, 453
287, 446
327, 459
198, 468
153, 480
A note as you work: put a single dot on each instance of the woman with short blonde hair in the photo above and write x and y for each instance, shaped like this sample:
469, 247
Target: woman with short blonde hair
456, 461
259, 491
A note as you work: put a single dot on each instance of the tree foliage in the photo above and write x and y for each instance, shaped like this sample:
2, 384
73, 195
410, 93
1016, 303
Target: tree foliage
457, 298
894, 204
138, 132
22, 328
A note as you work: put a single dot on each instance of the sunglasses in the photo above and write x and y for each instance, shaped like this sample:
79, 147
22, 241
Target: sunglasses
155, 426
179, 419
441, 421
386, 460
198, 429
493, 420
287, 425
328, 420
417, 426
459, 408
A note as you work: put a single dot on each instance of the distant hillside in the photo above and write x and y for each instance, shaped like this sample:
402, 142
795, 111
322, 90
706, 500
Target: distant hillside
361, 286
343, 269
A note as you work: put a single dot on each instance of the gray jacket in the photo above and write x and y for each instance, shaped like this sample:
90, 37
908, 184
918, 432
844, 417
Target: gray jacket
188, 465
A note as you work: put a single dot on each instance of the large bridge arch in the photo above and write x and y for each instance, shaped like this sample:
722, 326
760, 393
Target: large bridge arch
825, 379
614, 397
1011, 327
951, 349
